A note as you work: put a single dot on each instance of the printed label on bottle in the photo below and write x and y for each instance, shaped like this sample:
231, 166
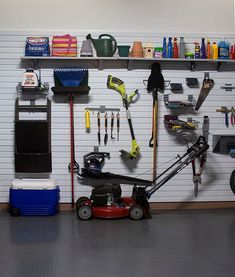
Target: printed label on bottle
223, 52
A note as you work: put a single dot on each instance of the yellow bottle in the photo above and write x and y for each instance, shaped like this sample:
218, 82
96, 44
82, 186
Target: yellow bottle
215, 51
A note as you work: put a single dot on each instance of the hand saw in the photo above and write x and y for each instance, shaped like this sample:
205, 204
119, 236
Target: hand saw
206, 88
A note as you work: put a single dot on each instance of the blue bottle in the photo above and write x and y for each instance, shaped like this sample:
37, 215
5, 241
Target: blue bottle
203, 49
164, 48
170, 48
223, 50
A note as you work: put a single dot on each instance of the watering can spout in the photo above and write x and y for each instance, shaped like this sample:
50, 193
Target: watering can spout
89, 36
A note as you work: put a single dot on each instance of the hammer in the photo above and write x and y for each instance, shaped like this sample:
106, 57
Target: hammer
224, 110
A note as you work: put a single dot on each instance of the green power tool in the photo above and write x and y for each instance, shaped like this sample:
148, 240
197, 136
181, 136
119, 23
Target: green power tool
118, 85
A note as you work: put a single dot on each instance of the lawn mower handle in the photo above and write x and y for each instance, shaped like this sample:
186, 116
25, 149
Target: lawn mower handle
193, 152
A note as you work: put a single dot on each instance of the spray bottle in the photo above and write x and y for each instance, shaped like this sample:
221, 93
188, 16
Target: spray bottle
164, 48
169, 48
203, 49
175, 49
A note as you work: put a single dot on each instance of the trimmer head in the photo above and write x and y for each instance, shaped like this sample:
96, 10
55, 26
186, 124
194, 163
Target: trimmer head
135, 150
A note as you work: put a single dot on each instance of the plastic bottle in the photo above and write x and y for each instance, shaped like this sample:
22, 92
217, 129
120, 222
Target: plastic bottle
208, 49
197, 50
214, 51
203, 49
182, 48
169, 48
223, 50
175, 49
164, 48
232, 52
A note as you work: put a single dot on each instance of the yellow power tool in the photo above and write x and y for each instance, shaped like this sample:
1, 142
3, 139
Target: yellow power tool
118, 85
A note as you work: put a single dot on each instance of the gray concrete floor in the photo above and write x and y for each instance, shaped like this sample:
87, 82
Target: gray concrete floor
172, 243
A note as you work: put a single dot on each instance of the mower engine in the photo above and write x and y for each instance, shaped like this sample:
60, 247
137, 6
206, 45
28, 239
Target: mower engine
106, 195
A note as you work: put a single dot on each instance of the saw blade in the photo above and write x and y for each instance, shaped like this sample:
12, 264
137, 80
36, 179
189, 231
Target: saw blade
206, 88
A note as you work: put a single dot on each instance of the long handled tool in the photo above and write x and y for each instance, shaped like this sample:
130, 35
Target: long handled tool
73, 165
155, 84
71, 92
197, 175
118, 85
71, 82
154, 131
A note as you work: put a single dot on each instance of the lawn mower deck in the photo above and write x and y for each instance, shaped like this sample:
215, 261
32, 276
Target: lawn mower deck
106, 202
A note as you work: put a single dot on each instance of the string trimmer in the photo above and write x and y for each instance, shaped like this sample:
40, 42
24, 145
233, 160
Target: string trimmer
118, 85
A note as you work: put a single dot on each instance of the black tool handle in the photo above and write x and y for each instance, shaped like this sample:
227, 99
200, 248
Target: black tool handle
112, 121
226, 119
106, 122
118, 125
118, 121
98, 120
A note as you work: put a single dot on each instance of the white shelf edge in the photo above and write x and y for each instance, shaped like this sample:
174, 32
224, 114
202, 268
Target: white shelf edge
124, 58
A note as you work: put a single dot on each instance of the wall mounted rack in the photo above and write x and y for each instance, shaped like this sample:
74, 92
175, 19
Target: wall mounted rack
129, 62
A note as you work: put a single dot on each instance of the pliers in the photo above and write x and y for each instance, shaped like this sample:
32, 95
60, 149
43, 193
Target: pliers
232, 117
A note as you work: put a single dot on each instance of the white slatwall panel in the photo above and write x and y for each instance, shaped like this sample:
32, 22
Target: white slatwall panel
215, 185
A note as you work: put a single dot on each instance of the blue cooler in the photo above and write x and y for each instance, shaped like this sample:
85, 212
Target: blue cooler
34, 197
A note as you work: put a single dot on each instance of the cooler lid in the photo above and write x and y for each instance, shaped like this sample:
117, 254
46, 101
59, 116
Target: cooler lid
38, 184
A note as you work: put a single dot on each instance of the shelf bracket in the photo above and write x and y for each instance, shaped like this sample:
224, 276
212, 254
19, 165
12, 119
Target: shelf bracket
219, 64
30, 63
192, 65
100, 64
130, 65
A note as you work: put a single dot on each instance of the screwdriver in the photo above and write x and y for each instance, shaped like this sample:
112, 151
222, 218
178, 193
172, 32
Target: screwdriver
106, 128
118, 125
98, 124
112, 123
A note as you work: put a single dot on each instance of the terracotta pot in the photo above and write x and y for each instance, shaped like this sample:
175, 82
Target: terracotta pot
137, 49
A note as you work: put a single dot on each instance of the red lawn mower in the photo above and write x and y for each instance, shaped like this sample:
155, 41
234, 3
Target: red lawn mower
106, 200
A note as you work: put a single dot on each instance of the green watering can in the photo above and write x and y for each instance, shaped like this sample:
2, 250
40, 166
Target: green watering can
105, 45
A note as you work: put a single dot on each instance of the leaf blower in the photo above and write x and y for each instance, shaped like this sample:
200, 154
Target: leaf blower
118, 85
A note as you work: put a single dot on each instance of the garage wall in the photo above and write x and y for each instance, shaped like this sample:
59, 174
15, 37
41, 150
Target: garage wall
133, 15
215, 186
